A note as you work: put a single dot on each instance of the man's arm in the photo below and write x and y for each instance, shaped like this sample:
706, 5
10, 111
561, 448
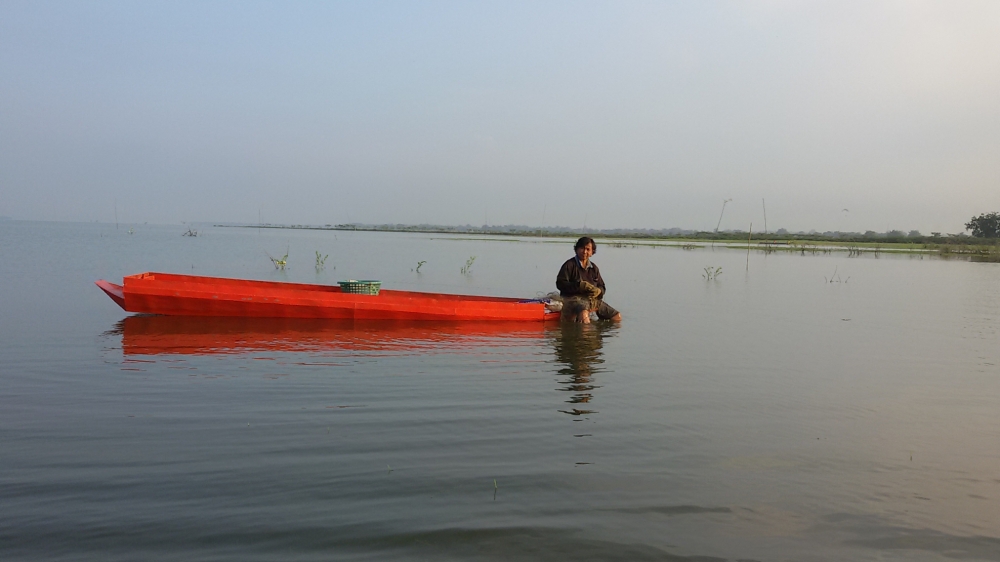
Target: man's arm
566, 281
600, 282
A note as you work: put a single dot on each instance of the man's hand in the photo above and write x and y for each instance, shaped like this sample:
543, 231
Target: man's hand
589, 289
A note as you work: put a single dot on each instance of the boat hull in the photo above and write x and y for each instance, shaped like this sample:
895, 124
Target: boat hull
192, 295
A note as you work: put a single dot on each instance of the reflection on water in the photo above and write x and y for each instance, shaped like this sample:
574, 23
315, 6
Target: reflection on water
578, 347
178, 335
578, 350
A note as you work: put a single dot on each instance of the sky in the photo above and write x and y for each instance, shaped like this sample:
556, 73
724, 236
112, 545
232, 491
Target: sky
841, 115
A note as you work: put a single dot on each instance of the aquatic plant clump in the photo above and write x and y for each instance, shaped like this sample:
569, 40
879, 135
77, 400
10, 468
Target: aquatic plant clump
320, 261
467, 268
279, 263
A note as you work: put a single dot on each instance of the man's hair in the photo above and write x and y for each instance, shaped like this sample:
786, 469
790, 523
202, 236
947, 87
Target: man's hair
583, 241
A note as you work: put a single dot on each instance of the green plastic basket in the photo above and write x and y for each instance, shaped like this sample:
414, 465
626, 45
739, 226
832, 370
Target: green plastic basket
360, 287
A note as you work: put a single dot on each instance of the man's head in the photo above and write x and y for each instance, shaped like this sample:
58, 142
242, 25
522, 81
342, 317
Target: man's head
583, 241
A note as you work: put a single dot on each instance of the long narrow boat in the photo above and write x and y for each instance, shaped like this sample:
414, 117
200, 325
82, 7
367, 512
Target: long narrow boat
191, 295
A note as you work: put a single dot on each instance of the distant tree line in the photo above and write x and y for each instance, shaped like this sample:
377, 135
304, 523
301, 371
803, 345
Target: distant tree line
986, 225
984, 228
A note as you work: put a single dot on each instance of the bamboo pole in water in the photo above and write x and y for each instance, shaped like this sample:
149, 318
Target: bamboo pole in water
748, 246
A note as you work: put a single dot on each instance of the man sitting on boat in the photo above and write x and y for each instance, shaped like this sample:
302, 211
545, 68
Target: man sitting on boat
582, 288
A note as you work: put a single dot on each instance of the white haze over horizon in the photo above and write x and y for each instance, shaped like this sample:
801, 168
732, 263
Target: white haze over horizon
841, 115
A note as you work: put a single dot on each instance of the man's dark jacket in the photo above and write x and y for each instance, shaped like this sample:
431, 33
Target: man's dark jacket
570, 275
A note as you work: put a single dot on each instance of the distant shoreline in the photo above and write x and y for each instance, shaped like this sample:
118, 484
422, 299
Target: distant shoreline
846, 238
983, 249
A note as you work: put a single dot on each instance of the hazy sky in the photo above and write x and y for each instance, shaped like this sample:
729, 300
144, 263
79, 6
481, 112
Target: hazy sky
613, 114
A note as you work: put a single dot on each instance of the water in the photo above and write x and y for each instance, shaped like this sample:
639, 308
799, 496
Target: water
767, 415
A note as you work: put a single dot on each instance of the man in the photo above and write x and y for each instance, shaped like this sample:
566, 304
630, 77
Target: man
581, 286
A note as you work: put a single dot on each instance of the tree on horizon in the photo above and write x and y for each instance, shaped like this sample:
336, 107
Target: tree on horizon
986, 225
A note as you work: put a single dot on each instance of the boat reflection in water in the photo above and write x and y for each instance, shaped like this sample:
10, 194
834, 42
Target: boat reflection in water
578, 351
577, 347
180, 335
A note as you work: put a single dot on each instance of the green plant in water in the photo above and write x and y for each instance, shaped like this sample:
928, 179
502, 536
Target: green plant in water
712, 273
467, 268
321, 261
279, 263
420, 264
834, 278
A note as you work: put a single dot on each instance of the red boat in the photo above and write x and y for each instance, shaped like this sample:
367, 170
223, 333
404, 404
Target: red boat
191, 295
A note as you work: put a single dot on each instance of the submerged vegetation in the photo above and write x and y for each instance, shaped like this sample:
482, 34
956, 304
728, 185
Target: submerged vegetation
467, 268
279, 263
835, 278
320, 261
712, 273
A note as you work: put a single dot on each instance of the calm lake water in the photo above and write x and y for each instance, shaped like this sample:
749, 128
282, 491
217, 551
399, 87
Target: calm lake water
767, 415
